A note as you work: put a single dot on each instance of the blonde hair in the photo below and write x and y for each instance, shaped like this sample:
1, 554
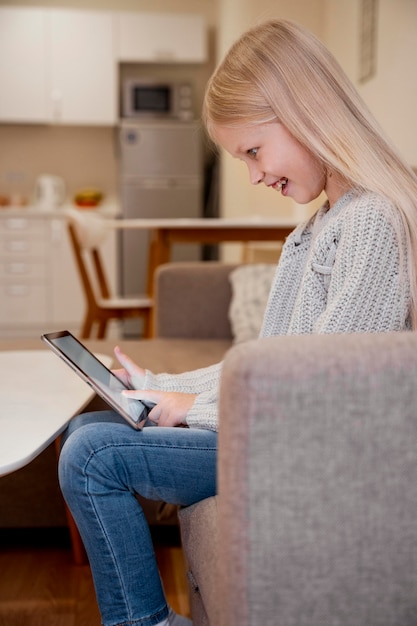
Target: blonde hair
277, 71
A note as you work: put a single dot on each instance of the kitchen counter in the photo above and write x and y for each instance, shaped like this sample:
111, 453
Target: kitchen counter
40, 287
108, 208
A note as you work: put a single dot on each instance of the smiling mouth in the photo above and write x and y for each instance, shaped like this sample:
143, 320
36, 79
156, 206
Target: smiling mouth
279, 186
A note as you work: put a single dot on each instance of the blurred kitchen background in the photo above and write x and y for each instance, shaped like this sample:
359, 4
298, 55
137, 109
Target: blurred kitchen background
83, 88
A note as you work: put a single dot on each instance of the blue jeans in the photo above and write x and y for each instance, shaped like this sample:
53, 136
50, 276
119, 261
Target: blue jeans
103, 464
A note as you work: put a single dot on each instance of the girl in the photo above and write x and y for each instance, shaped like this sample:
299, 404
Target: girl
280, 103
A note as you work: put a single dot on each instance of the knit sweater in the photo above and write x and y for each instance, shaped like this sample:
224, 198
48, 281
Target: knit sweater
342, 271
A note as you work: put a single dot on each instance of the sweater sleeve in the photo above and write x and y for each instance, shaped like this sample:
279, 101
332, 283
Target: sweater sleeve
204, 382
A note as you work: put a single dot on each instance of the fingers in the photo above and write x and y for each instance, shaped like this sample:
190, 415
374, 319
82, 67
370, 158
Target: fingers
122, 375
125, 361
150, 397
132, 375
170, 408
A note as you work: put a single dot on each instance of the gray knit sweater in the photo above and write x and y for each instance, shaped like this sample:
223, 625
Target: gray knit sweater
342, 271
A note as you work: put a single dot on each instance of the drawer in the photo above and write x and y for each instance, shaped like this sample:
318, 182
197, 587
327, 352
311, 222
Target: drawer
19, 224
22, 246
23, 303
20, 268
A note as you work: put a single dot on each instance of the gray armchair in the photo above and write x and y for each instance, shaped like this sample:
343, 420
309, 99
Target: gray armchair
315, 523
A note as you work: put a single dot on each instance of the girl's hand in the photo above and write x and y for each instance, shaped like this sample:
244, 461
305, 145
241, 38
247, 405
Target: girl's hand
131, 375
170, 408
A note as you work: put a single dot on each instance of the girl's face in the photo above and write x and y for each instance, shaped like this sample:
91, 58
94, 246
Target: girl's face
274, 157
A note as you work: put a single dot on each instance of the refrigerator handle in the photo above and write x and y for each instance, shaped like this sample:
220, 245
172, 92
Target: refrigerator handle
117, 149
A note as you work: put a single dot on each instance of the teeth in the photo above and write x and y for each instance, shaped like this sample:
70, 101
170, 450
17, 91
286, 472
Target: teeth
280, 184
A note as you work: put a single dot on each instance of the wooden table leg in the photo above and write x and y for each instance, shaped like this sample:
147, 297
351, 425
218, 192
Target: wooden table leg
159, 253
78, 551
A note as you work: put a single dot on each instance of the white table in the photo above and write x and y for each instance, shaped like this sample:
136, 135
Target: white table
38, 396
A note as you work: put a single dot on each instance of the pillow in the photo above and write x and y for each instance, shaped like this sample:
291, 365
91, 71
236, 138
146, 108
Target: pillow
92, 229
250, 289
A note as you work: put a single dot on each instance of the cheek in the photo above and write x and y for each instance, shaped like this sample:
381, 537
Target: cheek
311, 179
314, 169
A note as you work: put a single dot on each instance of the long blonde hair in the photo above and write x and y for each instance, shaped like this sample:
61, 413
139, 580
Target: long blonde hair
277, 71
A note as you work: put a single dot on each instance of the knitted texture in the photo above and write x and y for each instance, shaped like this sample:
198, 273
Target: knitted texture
343, 271
251, 285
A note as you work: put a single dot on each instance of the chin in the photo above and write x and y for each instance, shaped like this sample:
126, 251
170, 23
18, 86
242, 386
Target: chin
302, 199
306, 198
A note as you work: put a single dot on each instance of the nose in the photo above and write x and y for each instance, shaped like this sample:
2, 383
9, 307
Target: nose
255, 175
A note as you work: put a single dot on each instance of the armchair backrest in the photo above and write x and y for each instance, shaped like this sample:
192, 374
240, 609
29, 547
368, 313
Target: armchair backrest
193, 299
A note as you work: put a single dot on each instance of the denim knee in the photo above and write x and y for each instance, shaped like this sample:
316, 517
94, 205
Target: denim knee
73, 458
85, 434
92, 417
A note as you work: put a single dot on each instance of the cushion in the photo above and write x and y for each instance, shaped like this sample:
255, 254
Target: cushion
91, 228
250, 289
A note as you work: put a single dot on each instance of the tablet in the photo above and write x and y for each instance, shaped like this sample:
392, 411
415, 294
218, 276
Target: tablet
106, 384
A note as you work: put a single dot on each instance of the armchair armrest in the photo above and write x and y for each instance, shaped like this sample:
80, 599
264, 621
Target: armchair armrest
317, 470
192, 300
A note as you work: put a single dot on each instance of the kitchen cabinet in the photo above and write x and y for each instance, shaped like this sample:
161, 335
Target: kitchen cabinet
57, 66
40, 288
24, 272
23, 71
82, 67
161, 38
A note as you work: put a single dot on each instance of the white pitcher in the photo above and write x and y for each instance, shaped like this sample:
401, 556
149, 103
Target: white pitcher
49, 192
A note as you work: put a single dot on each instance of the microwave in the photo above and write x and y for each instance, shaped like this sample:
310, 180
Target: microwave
157, 99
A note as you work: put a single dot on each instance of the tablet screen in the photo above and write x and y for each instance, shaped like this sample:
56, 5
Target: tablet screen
86, 365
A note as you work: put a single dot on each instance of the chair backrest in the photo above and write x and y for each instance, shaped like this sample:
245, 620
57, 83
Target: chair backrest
86, 233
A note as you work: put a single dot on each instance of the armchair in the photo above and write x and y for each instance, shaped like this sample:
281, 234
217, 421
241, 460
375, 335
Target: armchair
315, 519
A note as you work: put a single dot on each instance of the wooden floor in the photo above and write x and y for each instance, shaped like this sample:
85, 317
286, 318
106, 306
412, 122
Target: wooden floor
40, 585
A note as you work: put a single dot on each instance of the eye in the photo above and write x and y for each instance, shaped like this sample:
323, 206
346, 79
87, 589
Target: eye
252, 152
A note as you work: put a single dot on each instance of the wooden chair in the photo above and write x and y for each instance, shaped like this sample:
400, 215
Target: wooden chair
86, 232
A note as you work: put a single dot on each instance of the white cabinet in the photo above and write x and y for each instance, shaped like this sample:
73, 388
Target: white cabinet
23, 68
161, 38
82, 67
40, 289
67, 298
57, 65
24, 272
60, 65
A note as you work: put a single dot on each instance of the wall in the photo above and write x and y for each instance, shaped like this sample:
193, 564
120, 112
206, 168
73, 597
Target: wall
84, 157
207, 8
392, 93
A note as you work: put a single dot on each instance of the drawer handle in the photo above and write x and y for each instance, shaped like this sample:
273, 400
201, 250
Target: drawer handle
17, 268
18, 246
18, 290
16, 223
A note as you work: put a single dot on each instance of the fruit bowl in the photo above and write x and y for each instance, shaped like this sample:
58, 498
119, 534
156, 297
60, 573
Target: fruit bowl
88, 198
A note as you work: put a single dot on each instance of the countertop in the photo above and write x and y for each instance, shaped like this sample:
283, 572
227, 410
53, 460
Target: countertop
108, 208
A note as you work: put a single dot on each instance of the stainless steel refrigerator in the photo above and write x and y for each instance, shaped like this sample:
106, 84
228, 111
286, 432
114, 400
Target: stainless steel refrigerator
161, 176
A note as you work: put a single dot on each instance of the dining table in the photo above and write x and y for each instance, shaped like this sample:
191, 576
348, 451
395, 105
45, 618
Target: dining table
166, 232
